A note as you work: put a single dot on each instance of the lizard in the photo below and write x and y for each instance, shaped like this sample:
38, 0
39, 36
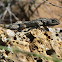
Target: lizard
20, 25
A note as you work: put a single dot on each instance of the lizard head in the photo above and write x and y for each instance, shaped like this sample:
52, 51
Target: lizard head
54, 22
51, 22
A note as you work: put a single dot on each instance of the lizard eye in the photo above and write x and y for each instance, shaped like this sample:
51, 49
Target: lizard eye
41, 20
53, 21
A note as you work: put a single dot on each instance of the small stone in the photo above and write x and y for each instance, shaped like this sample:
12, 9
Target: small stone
51, 29
4, 39
10, 33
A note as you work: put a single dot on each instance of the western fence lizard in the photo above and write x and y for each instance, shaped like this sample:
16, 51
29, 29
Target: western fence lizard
35, 23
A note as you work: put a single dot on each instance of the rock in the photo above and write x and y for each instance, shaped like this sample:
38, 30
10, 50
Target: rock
10, 33
46, 42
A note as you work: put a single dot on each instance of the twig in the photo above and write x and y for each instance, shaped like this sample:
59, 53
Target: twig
51, 11
37, 7
1, 15
10, 13
52, 4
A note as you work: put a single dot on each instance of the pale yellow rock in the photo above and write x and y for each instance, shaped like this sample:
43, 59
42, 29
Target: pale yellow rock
35, 40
